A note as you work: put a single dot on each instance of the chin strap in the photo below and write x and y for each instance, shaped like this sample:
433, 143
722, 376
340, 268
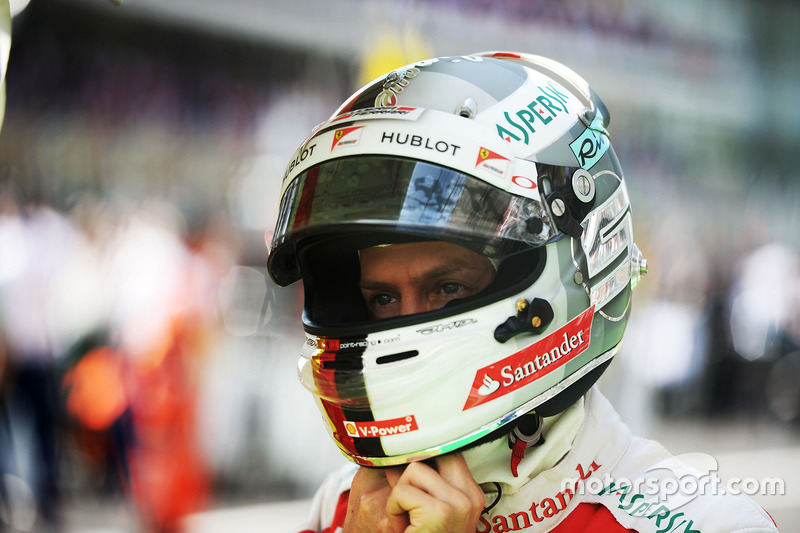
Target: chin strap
496, 500
526, 433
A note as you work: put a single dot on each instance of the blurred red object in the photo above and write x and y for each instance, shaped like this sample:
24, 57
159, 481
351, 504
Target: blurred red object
96, 396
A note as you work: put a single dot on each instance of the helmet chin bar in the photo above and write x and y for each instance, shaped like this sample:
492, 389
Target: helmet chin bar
475, 437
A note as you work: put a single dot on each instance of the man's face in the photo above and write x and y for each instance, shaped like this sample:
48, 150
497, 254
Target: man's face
403, 279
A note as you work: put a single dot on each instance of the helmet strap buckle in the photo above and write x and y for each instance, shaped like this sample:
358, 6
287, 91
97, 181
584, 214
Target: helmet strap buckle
527, 432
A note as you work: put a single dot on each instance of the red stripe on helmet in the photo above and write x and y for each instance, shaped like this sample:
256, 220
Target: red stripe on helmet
326, 381
506, 55
306, 202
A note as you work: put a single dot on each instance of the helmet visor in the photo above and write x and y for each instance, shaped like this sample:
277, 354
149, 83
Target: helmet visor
411, 197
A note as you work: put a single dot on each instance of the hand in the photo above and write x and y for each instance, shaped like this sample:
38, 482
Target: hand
415, 499
366, 508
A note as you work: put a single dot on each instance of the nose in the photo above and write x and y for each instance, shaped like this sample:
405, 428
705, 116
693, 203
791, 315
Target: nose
411, 303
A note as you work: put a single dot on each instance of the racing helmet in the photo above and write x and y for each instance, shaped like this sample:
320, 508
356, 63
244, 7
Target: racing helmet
506, 154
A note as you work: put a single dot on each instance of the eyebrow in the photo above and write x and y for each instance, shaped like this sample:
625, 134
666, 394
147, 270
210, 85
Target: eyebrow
435, 272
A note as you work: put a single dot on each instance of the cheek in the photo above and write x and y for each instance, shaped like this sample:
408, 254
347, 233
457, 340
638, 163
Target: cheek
385, 311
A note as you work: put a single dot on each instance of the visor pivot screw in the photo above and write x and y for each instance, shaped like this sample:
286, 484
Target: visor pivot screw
536, 321
578, 278
583, 185
558, 207
522, 305
534, 225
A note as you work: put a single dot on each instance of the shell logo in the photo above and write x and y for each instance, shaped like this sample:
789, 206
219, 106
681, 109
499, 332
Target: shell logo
381, 428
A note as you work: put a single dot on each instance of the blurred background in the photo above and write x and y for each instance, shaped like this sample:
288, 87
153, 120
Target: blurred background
147, 365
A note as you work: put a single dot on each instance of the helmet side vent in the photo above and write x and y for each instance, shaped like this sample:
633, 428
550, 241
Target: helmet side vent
343, 363
396, 357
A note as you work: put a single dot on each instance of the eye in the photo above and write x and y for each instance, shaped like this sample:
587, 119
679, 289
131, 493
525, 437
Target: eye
452, 287
382, 299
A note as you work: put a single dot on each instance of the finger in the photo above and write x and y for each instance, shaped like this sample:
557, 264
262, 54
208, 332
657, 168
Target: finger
366, 508
450, 476
424, 477
454, 470
397, 520
448, 483
393, 474
394, 522
428, 497
409, 501
367, 479
418, 510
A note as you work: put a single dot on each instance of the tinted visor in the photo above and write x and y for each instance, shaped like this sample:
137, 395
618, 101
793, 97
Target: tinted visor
406, 196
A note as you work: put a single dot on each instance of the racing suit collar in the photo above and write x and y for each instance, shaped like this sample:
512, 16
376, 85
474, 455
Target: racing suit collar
490, 462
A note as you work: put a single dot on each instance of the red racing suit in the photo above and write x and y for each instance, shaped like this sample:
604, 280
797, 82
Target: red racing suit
590, 474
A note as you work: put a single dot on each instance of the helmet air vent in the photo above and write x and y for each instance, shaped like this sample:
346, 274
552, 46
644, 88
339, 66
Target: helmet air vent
467, 109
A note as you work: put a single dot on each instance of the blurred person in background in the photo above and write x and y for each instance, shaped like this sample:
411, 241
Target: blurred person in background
166, 270
28, 375
35, 241
114, 307
465, 241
